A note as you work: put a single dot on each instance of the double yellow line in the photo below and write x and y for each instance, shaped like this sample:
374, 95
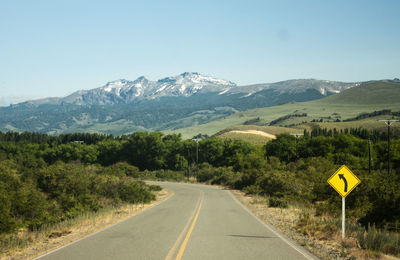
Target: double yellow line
192, 219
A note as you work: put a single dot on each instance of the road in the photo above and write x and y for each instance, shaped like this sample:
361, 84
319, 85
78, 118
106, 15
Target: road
197, 222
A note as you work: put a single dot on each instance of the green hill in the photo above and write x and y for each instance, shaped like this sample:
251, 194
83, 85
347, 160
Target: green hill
365, 98
370, 93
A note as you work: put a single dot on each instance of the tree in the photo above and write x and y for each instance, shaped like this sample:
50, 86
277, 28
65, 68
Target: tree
283, 147
110, 151
145, 150
211, 151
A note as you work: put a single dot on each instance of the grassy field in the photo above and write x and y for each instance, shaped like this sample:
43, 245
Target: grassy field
274, 130
368, 97
120, 127
251, 138
369, 124
230, 133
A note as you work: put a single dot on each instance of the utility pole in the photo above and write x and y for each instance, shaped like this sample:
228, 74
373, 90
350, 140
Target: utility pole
369, 155
388, 122
197, 152
197, 155
297, 135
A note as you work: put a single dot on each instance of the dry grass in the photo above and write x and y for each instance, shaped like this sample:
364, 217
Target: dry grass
321, 235
27, 245
258, 135
251, 138
254, 132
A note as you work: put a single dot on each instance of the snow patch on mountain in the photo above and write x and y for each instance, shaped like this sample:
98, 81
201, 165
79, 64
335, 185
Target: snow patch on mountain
190, 83
187, 84
125, 91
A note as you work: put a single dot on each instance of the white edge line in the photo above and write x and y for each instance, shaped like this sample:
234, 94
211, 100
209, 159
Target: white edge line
301, 251
101, 230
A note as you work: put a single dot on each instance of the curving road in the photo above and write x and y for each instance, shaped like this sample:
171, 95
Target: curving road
197, 222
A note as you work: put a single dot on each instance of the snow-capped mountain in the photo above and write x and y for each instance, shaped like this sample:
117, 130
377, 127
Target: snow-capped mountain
123, 106
188, 84
125, 91
190, 99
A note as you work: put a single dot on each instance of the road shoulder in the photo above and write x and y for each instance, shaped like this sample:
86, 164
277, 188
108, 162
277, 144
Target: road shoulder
323, 245
245, 202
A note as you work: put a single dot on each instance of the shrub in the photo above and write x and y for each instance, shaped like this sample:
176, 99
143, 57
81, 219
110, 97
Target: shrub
379, 240
133, 191
7, 222
276, 183
225, 176
205, 172
155, 187
277, 203
169, 175
122, 169
252, 189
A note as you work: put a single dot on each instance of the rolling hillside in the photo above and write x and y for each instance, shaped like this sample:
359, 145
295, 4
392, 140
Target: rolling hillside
189, 99
367, 97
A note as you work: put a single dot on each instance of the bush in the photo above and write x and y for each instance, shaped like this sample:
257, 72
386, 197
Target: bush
155, 187
280, 184
205, 172
122, 169
379, 240
225, 176
248, 178
133, 191
277, 203
7, 222
169, 175
252, 189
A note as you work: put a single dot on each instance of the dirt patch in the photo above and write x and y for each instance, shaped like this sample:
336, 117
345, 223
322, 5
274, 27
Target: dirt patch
39, 243
254, 132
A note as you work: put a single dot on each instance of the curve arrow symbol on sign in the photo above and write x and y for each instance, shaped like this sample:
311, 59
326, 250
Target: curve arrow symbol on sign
341, 176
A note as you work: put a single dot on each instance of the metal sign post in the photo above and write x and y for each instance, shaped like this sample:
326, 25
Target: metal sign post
343, 181
343, 216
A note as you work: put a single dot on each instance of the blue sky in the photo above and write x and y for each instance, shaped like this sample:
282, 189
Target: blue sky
53, 48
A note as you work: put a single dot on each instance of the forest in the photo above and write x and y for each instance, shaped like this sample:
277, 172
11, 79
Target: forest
47, 179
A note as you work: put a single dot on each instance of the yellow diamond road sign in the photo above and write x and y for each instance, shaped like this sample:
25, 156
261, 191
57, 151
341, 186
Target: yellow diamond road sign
343, 181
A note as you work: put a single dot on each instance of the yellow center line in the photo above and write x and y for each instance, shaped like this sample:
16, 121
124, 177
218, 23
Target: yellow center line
178, 241
183, 246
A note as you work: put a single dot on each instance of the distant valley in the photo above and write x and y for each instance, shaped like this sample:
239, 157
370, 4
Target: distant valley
170, 104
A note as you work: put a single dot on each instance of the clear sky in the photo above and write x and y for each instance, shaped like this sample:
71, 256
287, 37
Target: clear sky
54, 47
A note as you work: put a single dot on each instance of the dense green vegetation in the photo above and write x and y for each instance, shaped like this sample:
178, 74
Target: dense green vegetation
375, 135
48, 179
42, 183
33, 194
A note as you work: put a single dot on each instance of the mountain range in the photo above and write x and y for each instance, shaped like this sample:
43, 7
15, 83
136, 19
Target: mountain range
186, 84
123, 106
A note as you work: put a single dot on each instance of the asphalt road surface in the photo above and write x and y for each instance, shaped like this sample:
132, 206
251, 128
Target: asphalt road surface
197, 222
